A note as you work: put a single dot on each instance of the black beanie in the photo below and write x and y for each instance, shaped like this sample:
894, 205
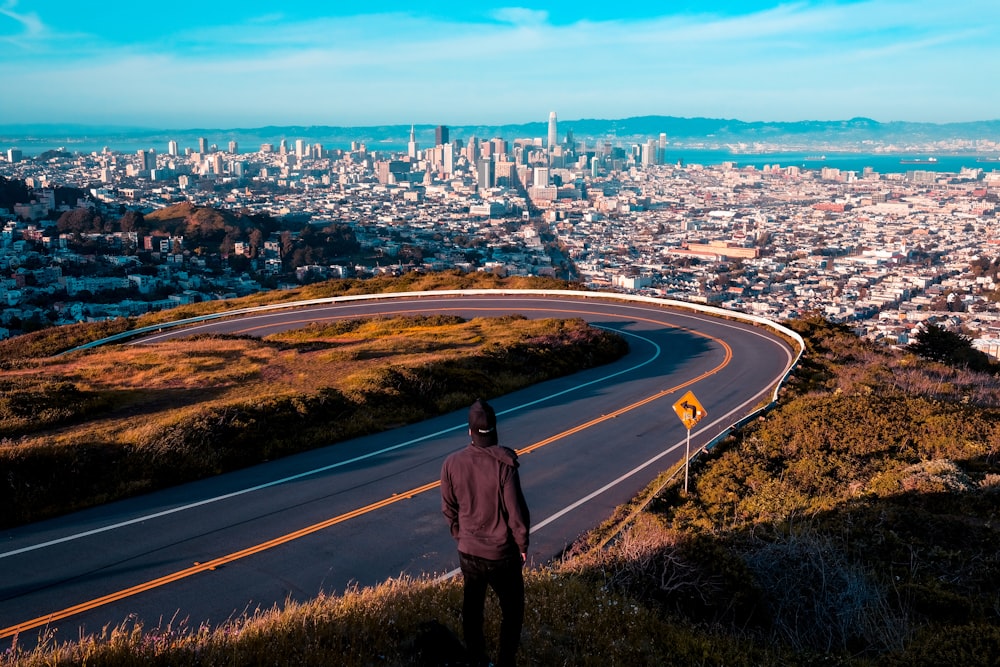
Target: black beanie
482, 424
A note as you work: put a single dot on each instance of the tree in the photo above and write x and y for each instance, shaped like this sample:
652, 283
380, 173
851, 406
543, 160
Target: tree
932, 341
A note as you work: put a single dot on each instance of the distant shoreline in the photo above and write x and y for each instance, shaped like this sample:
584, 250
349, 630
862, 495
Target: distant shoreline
811, 159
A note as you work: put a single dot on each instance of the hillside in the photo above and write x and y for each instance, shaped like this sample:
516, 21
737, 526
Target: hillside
847, 132
856, 524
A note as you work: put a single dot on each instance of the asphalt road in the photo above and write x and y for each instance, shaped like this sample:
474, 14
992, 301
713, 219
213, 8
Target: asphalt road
363, 511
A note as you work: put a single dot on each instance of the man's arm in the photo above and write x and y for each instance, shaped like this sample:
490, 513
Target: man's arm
518, 516
449, 504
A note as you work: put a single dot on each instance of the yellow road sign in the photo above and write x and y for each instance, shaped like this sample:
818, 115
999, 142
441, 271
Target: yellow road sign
689, 410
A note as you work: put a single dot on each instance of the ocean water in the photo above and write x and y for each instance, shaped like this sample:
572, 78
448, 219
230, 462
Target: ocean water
883, 163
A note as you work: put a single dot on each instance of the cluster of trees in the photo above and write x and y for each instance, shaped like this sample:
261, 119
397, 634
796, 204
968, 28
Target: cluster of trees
208, 231
15, 191
953, 348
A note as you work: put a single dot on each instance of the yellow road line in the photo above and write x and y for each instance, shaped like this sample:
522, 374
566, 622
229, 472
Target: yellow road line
197, 568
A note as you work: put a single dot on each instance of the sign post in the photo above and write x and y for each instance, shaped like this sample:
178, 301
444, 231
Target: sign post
690, 412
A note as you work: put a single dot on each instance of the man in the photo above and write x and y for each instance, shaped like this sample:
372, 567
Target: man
481, 498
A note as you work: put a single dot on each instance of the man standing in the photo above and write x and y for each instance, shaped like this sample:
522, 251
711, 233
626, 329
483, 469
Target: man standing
481, 498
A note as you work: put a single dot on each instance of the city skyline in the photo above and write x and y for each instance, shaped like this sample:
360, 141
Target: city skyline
243, 64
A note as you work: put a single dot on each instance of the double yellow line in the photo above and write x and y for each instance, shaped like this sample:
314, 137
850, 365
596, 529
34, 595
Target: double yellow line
197, 568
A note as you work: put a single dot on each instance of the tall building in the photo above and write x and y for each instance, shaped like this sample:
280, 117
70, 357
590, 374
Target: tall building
440, 135
233, 146
553, 133
202, 145
647, 152
172, 148
411, 146
486, 175
300, 148
498, 146
147, 160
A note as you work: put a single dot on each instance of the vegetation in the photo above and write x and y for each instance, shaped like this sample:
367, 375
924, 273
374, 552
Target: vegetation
54, 340
70, 437
856, 524
932, 341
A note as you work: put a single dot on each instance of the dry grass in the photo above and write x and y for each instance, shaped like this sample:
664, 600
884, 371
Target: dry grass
165, 382
100, 424
569, 621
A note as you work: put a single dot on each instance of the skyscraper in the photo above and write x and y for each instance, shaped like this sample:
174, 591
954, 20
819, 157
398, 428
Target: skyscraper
553, 134
411, 146
171, 148
440, 135
486, 174
147, 160
202, 145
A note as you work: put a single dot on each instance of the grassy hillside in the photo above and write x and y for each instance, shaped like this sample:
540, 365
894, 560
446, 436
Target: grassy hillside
70, 436
856, 524
54, 340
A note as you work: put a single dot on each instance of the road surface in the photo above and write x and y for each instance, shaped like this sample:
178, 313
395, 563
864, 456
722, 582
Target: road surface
363, 511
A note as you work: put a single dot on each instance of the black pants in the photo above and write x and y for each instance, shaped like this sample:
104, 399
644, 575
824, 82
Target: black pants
505, 578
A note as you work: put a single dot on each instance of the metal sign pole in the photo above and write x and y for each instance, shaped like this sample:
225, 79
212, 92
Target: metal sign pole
687, 460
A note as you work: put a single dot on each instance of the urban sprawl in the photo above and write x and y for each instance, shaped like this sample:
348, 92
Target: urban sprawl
880, 251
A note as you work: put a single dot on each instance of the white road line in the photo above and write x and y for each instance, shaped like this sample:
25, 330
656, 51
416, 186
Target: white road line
610, 485
332, 466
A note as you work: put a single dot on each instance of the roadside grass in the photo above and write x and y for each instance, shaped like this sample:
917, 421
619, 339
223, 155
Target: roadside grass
570, 621
103, 424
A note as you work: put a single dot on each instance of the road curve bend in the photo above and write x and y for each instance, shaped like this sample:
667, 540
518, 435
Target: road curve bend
359, 512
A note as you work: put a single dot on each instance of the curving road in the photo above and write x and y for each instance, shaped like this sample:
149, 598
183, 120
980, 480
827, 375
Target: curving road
366, 510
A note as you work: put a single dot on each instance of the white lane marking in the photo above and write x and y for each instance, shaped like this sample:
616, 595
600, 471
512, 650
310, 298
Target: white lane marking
332, 466
610, 485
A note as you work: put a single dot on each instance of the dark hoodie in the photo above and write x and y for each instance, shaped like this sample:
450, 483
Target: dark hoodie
481, 498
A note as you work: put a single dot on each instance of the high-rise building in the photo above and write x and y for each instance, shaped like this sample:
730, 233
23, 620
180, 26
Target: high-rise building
147, 160
448, 159
202, 145
486, 174
13, 155
300, 148
541, 177
234, 147
647, 152
440, 135
553, 132
172, 148
498, 146
411, 146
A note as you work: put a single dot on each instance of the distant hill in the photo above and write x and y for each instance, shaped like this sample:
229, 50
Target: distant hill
678, 130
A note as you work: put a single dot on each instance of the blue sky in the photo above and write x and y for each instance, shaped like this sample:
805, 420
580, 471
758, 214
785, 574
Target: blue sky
251, 63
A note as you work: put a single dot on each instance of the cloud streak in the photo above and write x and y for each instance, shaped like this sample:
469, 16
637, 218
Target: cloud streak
786, 62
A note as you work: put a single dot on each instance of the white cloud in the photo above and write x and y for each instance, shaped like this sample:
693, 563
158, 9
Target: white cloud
521, 16
791, 62
30, 26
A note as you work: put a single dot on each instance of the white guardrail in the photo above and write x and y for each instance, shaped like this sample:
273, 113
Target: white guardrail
576, 294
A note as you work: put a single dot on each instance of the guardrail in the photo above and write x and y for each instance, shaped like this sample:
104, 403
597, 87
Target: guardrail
578, 294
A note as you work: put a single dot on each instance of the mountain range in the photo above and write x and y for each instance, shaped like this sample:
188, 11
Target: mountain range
856, 131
